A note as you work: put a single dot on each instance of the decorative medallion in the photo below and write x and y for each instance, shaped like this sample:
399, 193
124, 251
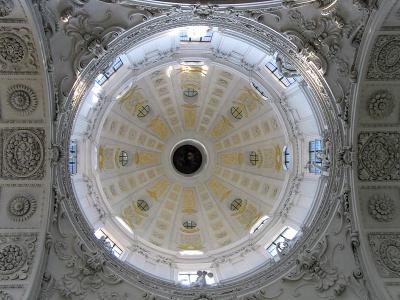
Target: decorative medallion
17, 51
379, 156
21, 208
386, 249
5, 296
385, 58
390, 254
381, 208
380, 105
23, 153
6, 7
16, 255
12, 48
12, 258
22, 99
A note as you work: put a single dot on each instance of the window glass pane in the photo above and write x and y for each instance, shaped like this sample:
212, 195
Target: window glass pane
289, 233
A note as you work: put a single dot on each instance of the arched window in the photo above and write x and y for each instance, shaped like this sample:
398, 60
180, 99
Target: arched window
123, 158
237, 112
236, 204
142, 205
143, 111
189, 224
314, 147
190, 92
254, 158
286, 157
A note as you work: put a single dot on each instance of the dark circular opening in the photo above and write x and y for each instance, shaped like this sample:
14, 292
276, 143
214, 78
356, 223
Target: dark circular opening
187, 159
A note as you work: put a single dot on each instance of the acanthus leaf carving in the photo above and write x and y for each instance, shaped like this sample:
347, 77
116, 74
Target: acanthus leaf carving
89, 272
90, 40
313, 266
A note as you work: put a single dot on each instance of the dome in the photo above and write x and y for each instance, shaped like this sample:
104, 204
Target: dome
193, 157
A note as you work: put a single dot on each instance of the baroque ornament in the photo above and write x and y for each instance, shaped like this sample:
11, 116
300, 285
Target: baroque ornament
386, 249
12, 258
385, 58
312, 265
23, 153
88, 271
22, 99
17, 51
12, 48
16, 255
21, 208
5, 296
379, 156
380, 105
6, 7
381, 208
135, 36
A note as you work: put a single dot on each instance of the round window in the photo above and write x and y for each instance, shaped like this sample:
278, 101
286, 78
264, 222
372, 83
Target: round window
142, 205
189, 224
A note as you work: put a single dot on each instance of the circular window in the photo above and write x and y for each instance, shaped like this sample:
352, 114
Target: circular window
189, 224
190, 92
254, 158
143, 111
123, 158
236, 204
142, 205
237, 112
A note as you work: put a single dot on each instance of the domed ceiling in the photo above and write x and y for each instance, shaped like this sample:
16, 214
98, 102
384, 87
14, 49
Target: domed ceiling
186, 155
190, 157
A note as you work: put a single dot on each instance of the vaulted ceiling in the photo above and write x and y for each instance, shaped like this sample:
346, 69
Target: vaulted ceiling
347, 54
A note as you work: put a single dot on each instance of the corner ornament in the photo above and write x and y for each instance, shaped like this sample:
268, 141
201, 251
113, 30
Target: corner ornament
88, 272
313, 266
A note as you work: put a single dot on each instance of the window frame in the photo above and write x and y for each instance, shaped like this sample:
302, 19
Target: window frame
115, 249
73, 157
314, 147
108, 72
286, 81
190, 224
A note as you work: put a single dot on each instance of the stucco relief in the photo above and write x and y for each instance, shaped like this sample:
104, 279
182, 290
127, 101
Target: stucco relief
379, 156
6, 7
381, 207
380, 104
23, 153
386, 249
22, 99
5, 296
16, 255
385, 58
21, 208
17, 54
